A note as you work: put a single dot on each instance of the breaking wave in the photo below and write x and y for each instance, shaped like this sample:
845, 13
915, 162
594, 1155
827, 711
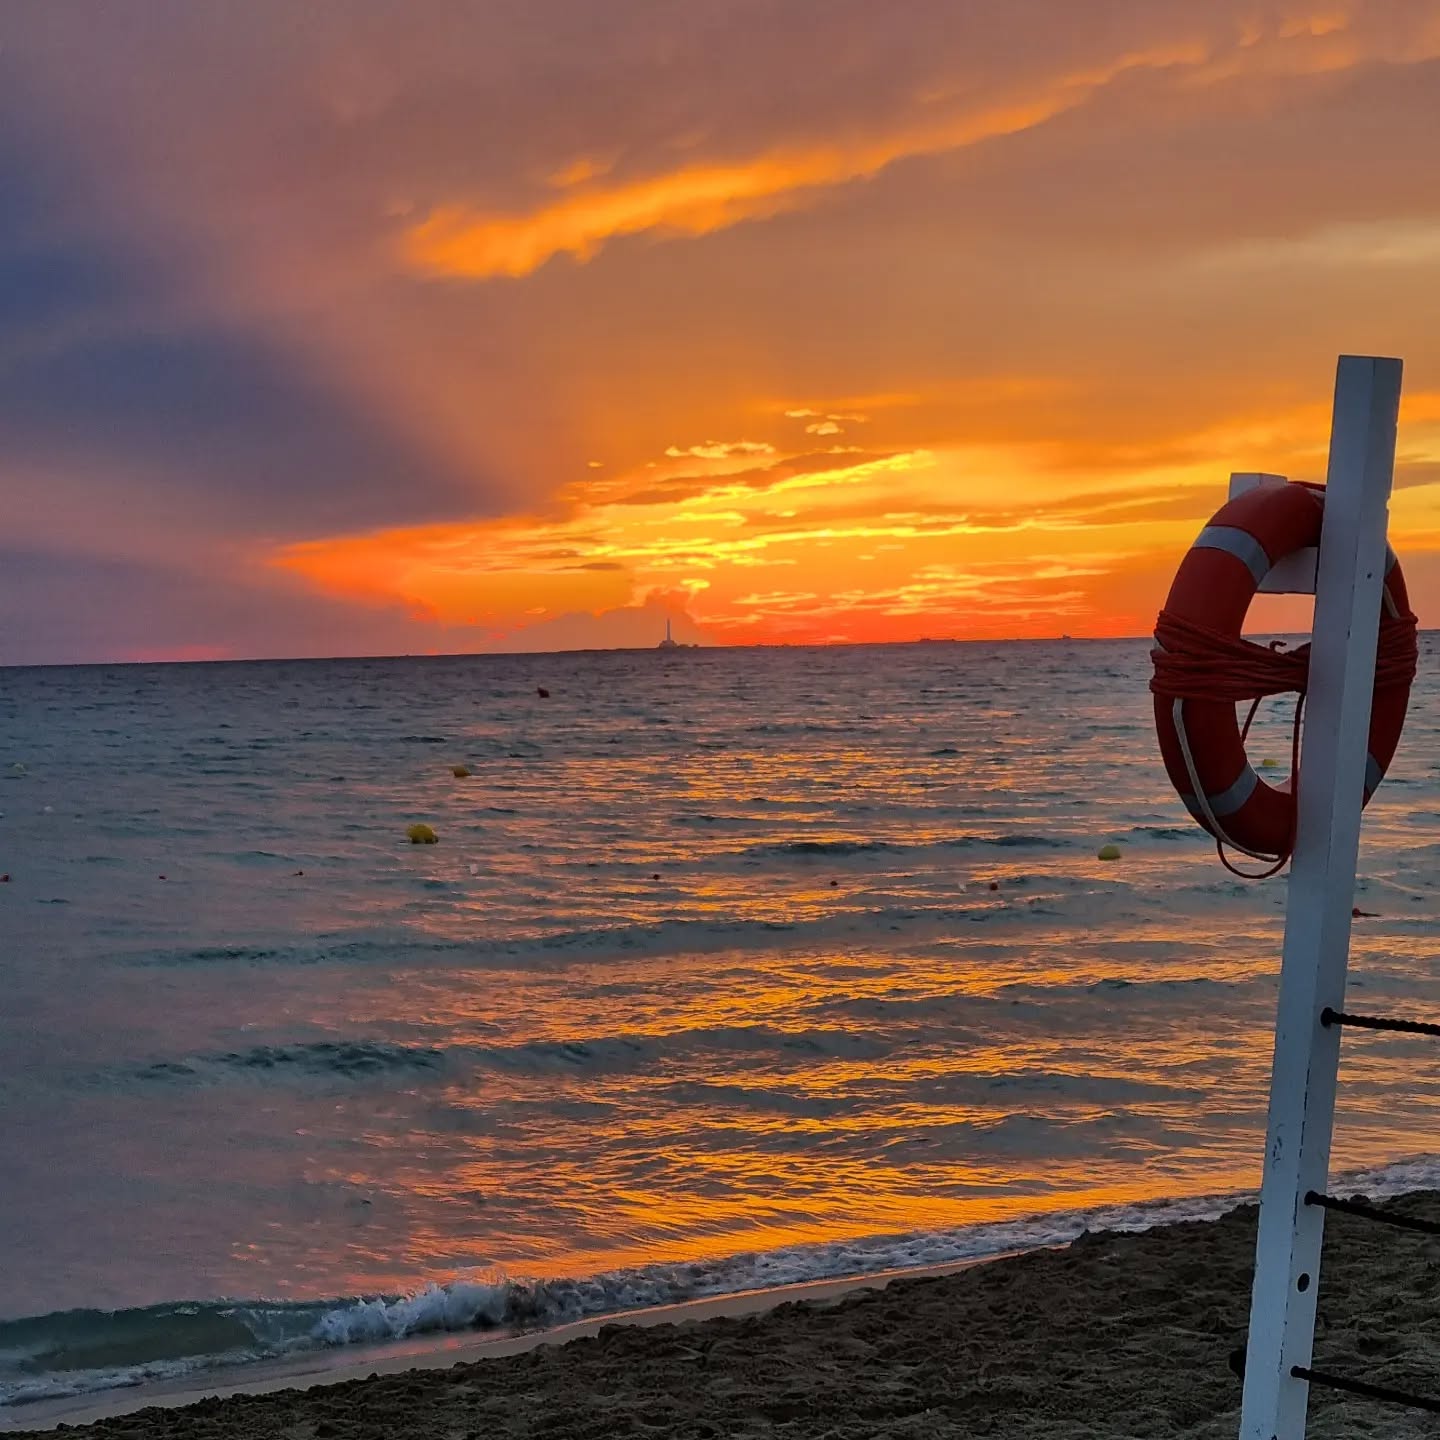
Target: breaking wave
78, 1351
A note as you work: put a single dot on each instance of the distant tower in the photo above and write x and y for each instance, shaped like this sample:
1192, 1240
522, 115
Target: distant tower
669, 642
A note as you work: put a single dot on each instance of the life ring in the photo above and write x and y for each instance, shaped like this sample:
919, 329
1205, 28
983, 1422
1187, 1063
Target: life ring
1200, 740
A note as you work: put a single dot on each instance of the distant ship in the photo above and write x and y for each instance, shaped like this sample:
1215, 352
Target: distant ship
671, 643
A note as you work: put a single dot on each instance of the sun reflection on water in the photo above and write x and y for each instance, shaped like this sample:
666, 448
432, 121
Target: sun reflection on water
826, 954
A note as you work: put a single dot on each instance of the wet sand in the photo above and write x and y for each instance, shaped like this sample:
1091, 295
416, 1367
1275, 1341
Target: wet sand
1114, 1336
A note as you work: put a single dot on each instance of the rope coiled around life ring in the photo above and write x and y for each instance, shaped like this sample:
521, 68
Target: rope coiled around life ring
1195, 662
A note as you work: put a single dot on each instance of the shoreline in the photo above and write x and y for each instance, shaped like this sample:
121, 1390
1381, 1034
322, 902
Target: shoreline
428, 1345
314, 1369
1115, 1334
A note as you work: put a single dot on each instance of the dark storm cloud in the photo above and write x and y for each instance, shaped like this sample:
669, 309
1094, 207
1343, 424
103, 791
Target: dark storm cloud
101, 364
223, 425
67, 608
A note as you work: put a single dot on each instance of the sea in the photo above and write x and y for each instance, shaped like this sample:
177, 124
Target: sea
727, 969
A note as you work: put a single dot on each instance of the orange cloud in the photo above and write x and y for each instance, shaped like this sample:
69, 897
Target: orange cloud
980, 540
455, 240
721, 449
459, 240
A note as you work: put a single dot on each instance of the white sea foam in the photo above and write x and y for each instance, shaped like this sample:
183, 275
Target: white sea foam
505, 1306
459, 1305
542, 1304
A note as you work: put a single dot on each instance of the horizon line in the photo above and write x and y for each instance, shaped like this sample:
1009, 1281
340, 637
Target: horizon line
598, 650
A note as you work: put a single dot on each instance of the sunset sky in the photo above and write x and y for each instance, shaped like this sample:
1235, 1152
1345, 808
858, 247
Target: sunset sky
351, 327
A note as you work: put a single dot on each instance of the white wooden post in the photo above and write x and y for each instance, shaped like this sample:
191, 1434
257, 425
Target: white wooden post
1321, 894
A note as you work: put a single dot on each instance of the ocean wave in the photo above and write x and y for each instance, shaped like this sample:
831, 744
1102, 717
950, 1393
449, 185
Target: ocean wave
929, 1014
76, 1351
1023, 898
700, 818
366, 1060
845, 847
856, 1029
798, 727
602, 1053
345, 1059
585, 943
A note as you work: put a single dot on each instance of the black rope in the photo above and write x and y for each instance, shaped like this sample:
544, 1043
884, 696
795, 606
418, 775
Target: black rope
1370, 1212
1377, 1022
1340, 1382
1365, 1212
1363, 1387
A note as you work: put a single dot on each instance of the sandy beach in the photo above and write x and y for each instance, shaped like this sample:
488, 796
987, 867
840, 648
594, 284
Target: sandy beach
1114, 1336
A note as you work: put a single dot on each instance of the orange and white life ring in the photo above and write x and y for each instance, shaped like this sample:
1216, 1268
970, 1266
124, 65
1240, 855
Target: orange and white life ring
1200, 739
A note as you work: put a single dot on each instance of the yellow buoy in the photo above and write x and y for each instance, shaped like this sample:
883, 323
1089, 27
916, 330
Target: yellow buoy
1109, 852
1268, 764
422, 835
460, 772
